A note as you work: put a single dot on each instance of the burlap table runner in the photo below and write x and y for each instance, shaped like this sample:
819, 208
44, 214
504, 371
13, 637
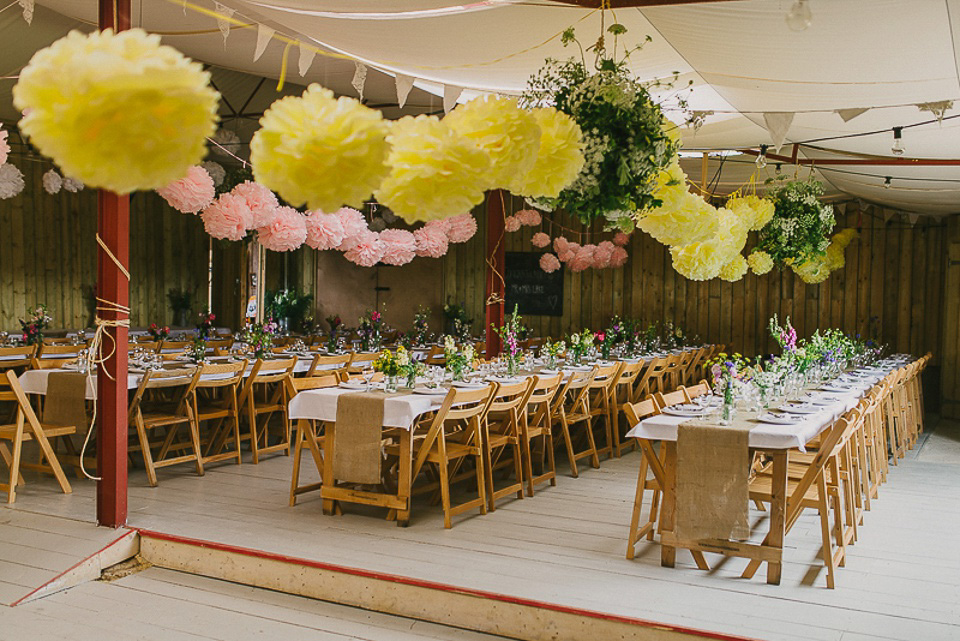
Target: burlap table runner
66, 401
713, 466
356, 441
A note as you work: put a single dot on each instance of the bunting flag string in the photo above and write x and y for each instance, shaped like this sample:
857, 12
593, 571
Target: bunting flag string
224, 20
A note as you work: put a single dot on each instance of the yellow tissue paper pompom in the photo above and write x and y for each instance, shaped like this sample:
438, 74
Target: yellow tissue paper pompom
844, 237
559, 160
509, 134
760, 262
812, 271
704, 260
434, 171
734, 270
320, 150
683, 218
756, 212
117, 111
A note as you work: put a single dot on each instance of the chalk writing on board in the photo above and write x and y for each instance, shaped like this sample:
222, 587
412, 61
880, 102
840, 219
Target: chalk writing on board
534, 291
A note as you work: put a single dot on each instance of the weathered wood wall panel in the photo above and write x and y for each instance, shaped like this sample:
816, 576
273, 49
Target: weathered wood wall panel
48, 254
893, 272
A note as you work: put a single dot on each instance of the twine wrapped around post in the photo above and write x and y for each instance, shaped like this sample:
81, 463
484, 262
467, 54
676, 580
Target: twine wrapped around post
95, 355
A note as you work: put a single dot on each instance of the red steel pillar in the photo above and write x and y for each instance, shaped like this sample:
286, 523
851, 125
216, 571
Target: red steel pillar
113, 226
495, 267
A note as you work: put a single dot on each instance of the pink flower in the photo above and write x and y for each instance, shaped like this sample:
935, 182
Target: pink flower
4, 146
190, 194
367, 250
621, 239
583, 258
324, 231
399, 246
540, 240
619, 257
461, 228
431, 242
529, 217
286, 233
603, 254
549, 263
228, 217
353, 223
512, 224
262, 202
568, 253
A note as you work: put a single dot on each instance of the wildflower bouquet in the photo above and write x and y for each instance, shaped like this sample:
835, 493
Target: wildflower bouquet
421, 327
551, 352
580, 344
510, 339
32, 328
458, 361
158, 333
259, 336
371, 331
205, 326
800, 225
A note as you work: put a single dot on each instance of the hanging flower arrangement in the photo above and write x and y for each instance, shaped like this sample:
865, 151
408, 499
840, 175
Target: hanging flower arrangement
816, 270
624, 143
800, 225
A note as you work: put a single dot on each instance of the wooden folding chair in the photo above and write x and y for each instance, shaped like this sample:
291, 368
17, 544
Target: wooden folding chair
27, 427
636, 412
675, 397
623, 391
55, 356
700, 389
454, 436
153, 408
325, 364
691, 372
171, 346
539, 405
214, 401
17, 358
360, 361
571, 407
603, 405
672, 375
308, 431
653, 377
502, 430
266, 380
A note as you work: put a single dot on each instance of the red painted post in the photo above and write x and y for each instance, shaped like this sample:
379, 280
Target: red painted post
113, 225
495, 269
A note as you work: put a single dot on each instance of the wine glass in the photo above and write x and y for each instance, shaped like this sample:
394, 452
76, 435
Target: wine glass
367, 374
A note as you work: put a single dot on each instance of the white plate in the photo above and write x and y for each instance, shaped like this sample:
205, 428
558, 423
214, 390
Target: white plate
780, 419
353, 386
468, 385
438, 391
550, 372
504, 379
800, 409
673, 411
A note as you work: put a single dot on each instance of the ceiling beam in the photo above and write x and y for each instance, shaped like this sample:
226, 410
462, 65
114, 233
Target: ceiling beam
621, 4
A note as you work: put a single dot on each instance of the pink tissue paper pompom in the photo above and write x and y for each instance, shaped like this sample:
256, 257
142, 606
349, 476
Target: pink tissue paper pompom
4, 146
431, 242
399, 246
353, 223
191, 193
461, 228
263, 203
560, 243
529, 217
287, 232
228, 217
512, 224
549, 263
443, 224
568, 252
603, 254
540, 240
583, 259
619, 258
367, 250
324, 231
621, 239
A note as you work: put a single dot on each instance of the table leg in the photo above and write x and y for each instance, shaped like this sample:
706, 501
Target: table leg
328, 480
778, 509
404, 480
668, 514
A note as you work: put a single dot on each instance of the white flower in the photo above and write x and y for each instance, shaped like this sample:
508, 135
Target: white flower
11, 181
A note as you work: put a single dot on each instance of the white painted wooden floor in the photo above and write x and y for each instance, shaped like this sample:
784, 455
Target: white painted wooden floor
566, 545
161, 605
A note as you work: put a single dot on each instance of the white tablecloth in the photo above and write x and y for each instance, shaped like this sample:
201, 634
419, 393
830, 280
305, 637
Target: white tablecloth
398, 411
663, 427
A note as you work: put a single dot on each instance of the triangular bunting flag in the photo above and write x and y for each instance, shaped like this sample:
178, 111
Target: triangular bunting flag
359, 78
450, 96
404, 85
27, 10
264, 36
887, 215
307, 54
778, 123
223, 20
849, 114
913, 219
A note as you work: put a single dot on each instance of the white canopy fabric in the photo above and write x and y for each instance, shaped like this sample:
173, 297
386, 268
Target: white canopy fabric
883, 56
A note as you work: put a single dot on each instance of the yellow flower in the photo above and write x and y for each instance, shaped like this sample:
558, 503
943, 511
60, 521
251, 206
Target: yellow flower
434, 171
760, 262
756, 212
509, 134
118, 111
323, 151
559, 160
734, 270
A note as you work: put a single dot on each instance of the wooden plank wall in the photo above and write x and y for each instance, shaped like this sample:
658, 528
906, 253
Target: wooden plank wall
48, 254
894, 271
950, 319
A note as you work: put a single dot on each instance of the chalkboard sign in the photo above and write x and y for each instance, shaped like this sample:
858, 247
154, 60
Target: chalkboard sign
536, 292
